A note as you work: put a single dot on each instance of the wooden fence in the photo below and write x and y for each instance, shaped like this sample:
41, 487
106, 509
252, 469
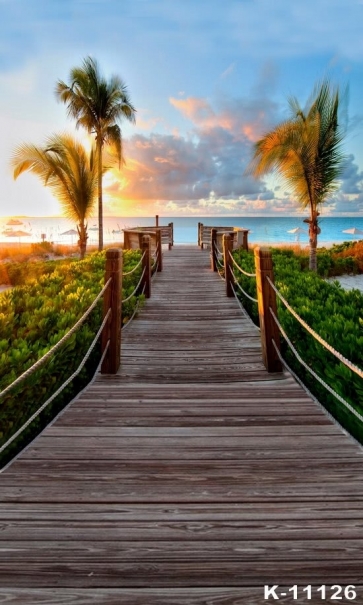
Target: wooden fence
112, 300
266, 299
166, 233
149, 242
207, 234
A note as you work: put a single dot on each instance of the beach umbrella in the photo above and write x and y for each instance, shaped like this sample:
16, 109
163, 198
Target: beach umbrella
296, 231
353, 231
14, 221
18, 234
69, 232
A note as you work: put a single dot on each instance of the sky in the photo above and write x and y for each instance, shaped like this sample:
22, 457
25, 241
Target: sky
207, 78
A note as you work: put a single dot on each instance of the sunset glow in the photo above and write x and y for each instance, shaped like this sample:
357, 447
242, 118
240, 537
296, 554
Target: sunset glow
203, 96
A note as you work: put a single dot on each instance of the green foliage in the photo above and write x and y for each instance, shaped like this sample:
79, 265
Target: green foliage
64, 165
42, 248
98, 105
33, 318
334, 313
306, 151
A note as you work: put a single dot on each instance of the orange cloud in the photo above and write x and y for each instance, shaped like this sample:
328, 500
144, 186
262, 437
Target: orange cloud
234, 119
201, 113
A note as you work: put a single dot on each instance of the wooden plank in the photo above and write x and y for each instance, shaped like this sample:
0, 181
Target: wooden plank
112, 573
191, 477
159, 596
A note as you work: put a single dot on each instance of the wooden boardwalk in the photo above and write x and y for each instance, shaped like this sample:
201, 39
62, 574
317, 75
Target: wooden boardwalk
190, 478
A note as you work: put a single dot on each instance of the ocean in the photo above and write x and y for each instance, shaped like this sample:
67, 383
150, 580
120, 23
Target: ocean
263, 230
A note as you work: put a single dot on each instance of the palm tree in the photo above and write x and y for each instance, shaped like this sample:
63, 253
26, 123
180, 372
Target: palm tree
97, 105
65, 167
306, 151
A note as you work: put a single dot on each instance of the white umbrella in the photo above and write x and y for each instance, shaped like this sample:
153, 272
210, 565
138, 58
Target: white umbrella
14, 221
70, 232
296, 231
18, 234
353, 231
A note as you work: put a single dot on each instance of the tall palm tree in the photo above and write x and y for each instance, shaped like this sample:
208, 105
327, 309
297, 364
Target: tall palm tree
306, 151
97, 105
65, 167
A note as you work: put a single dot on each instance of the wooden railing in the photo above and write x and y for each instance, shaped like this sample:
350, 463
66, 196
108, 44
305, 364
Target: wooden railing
266, 299
111, 334
207, 234
270, 325
166, 232
133, 239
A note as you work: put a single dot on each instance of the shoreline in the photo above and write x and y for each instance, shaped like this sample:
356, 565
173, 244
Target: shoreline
21, 246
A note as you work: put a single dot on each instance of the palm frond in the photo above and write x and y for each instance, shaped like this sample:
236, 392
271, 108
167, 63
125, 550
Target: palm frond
306, 149
65, 167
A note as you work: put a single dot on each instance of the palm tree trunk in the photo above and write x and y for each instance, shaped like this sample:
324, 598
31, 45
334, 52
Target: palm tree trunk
100, 208
314, 230
82, 242
313, 240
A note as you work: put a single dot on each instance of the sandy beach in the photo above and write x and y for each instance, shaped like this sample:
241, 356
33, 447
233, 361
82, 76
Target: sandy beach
348, 282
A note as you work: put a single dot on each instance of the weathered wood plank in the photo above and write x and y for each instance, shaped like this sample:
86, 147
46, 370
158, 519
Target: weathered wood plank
76, 573
192, 477
159, 596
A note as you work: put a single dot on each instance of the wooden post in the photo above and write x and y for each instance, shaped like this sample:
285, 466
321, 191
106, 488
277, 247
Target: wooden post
213, 253
266, 299
112, 299
159, 249
242, 238
171, 235
157, 220
145, 248
245, 239
199, 224
228, 271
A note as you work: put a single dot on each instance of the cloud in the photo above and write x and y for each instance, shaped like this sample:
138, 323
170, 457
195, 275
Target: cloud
227, 72
352, 178
203, 171
245, 117
204, 168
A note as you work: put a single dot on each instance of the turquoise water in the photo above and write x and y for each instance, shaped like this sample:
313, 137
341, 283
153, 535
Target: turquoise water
263, 230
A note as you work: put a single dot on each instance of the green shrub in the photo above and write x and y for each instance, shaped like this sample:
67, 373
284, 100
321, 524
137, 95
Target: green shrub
33, 318
334, 313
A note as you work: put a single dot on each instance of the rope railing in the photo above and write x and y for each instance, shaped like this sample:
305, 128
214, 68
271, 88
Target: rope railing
135, 311
136, 266
220, 263
63, 386
240, 268
235, 282
135, 290
155, 271
242, 308
57, 346
271, 328
217, 249
111, 317
323, 342
309, 369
